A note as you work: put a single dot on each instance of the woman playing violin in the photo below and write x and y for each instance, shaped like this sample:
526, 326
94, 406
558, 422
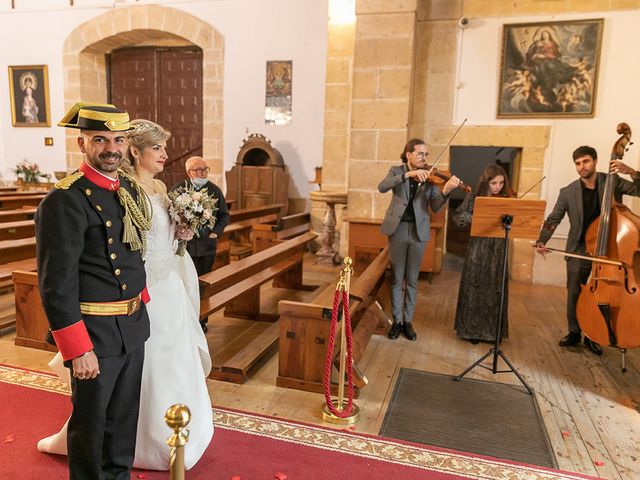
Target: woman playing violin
481, 280
406, 223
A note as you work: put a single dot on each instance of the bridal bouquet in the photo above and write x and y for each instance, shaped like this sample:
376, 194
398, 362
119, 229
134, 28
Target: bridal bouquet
191, 210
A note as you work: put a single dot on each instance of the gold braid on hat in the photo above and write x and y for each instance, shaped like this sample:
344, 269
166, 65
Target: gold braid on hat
137, 215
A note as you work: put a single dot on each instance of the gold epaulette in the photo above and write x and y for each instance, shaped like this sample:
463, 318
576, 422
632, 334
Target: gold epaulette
123, 173
69, 180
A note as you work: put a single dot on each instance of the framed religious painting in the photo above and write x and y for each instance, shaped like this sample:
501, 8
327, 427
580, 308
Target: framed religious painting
29, 93
279, 98
549, 69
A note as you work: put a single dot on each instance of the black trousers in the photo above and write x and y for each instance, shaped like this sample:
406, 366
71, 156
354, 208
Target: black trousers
204, 264
103, 425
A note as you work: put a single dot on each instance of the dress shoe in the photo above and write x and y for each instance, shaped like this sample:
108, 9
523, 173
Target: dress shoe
409, 332
204, 326
571, 339
394, 331
473, 341
593, 346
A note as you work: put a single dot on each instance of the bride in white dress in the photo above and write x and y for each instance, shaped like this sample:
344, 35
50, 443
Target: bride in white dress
177, 359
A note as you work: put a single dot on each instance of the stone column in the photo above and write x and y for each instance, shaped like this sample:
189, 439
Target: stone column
380, 105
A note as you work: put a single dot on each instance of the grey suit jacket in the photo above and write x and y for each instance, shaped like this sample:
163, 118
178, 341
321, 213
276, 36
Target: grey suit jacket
426, 196
570, 202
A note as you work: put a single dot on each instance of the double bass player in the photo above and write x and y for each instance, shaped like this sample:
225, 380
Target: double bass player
581, 200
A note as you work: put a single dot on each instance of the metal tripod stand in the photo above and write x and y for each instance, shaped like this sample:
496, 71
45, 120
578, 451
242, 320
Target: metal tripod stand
495, 350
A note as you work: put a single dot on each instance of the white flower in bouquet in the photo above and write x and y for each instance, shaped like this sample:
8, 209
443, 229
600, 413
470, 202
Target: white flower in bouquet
191, 211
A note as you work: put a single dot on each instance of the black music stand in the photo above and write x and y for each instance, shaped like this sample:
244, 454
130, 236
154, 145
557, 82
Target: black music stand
497, 217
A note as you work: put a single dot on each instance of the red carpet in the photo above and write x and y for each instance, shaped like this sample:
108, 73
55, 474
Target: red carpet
245, 446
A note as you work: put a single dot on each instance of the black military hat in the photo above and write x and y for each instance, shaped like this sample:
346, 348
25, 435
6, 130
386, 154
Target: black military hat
96, 116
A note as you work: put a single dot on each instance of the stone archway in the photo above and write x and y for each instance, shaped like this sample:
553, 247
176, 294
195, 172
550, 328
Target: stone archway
85, 74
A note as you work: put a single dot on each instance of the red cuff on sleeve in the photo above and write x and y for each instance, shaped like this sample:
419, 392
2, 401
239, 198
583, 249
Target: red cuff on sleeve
73, 341
144, 296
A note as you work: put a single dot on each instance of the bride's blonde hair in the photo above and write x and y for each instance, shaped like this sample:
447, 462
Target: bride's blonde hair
144, 133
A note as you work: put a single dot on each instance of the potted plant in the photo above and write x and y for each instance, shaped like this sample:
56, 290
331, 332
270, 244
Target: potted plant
28, 172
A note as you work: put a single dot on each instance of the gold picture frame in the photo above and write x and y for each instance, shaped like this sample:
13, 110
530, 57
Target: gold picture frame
29, 92
549, 69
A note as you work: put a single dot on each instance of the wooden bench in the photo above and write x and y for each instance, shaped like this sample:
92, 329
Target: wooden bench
268, 234
18, 201
6, 269
240, 227
17, 214
236, 240
17, 229
20, 193
32, 327
305, 328
7, 313
19, 249
237, 287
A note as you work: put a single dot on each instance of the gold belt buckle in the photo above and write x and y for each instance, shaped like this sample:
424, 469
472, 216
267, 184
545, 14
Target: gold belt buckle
133, 305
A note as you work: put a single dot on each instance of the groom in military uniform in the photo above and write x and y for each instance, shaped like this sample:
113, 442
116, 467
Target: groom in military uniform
90, 235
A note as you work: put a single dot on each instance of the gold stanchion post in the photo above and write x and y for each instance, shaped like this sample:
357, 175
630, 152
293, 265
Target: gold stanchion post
344, 284
177, 418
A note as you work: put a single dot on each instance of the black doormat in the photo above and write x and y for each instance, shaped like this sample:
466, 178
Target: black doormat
473, 416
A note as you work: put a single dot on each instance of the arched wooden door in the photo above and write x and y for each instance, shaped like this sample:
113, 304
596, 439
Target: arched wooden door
163, 85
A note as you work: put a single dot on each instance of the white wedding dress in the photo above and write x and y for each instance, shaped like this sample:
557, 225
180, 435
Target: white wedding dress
177, 359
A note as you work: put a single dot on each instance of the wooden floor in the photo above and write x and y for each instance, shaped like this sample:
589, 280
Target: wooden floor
590, 408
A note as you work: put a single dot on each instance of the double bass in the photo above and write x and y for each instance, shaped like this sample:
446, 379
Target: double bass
609, 303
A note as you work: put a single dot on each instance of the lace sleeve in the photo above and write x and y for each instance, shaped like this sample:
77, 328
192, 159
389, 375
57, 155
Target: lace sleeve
464, 213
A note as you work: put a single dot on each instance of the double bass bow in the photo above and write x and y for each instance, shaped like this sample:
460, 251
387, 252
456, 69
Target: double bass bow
608, 304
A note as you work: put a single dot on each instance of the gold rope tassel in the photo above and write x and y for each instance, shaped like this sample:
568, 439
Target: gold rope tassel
134, 217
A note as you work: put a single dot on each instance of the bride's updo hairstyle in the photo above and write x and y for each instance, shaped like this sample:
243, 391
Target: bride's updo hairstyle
144, 133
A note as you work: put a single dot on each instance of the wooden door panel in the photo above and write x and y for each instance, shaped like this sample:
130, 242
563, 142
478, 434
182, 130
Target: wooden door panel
181, 108
133, 82
163, 85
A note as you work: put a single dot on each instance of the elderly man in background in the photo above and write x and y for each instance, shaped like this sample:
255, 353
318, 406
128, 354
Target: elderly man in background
202, 248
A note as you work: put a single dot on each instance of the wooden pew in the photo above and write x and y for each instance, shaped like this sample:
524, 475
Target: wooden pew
20, 249
8, 189
26, 213
268, 234
6, 269
17, 229
236, 239
237, 287
21, 193
32, 326
305, 327
18, 201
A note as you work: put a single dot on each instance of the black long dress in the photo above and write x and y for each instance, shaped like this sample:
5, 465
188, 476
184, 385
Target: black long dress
480, 283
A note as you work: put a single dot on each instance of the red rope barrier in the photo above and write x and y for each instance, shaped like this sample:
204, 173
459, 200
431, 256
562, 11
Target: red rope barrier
330, 348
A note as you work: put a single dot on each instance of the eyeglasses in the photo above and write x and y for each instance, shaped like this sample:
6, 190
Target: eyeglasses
199, 170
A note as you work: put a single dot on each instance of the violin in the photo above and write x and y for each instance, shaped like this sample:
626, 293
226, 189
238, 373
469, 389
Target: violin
440, 177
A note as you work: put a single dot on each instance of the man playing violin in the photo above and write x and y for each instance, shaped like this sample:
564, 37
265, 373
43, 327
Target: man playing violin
406, 223
581, 200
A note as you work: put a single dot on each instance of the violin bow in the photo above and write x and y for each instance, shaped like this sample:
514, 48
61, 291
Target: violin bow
435, 163
532, 187
584, 257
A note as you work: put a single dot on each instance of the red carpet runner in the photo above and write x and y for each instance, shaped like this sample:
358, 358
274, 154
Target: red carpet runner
245, 446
